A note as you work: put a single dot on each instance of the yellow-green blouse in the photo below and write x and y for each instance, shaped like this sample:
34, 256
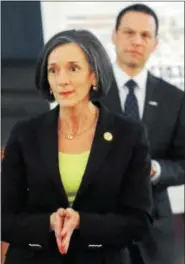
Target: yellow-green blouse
72, 167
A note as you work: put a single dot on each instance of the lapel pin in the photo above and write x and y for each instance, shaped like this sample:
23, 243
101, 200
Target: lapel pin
108, 136
153, 103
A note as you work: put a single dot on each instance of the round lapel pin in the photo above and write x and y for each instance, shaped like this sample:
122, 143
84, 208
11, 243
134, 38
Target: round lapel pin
108, 136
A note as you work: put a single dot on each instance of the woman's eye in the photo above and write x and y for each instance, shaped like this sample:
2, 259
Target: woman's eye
52, 70
74, 68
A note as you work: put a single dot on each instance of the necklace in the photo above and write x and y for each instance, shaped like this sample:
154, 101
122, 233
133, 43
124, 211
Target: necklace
70, 136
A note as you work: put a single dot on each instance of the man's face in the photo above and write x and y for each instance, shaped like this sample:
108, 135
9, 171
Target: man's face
135, 39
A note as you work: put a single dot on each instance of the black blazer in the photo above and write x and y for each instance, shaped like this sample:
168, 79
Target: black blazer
164, 118
114, 198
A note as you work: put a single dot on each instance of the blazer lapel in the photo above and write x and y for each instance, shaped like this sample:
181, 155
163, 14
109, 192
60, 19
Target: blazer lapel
151, 101
49, 150
113, 99
100, 148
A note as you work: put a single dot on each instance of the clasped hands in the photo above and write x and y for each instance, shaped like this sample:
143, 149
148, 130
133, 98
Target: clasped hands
63, 222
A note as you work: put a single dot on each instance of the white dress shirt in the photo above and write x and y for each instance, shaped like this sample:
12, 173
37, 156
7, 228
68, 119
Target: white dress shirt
140, 91
140, 79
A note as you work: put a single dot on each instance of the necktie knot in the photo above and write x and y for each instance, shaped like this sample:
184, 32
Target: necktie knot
131, 84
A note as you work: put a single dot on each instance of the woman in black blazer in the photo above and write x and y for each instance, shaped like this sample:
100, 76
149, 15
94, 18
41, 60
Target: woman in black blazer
75, 181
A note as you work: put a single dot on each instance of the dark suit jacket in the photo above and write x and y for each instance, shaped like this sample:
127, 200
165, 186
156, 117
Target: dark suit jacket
165, 123
114, 198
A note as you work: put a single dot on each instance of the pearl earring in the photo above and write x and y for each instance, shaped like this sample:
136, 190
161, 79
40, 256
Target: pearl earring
50, 92
95, 88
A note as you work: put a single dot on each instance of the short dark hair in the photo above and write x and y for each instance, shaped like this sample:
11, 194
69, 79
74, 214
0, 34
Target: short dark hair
137, 8
96, 56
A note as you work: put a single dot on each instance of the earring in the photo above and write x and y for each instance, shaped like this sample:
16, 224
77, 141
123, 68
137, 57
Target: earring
95, 88
50, 92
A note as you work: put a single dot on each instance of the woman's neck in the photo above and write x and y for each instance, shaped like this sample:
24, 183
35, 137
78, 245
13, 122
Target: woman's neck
73, 120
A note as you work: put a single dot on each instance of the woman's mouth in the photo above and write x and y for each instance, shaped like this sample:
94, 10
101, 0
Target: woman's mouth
66, 93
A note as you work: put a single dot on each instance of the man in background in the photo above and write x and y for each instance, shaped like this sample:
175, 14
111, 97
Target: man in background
160, 106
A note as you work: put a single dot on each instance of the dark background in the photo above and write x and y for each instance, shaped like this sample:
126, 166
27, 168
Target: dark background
21, 42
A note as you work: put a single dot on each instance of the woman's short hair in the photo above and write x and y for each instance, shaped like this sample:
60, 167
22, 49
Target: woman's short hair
96, 56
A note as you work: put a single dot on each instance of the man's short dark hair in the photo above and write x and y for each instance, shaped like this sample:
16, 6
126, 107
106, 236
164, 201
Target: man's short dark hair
96, 56
137, 8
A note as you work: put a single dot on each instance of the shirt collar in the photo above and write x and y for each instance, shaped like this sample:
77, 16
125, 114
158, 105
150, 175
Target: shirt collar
122, 77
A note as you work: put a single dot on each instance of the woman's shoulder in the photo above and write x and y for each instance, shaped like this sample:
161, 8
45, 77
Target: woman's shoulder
32, 124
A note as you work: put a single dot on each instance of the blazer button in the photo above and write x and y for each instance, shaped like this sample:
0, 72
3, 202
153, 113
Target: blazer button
94, 246
35, 246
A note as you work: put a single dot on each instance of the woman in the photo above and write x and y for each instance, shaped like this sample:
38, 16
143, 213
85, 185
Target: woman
75, 184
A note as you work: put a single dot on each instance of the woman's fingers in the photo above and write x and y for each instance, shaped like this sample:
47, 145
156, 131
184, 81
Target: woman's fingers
59, 222
65, 223
69, 222
67, 232
59, 243
66, 227
66, 241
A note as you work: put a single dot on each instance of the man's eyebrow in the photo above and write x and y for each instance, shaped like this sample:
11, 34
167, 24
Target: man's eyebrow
144, 31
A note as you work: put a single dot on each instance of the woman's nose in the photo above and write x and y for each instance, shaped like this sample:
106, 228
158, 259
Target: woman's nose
63, 78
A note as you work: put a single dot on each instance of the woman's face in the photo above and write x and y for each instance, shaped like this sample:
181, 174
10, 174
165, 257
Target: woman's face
69, 75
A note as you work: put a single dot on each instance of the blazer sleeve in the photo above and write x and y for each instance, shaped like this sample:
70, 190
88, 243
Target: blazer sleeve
133, 220
173, 167
19, 225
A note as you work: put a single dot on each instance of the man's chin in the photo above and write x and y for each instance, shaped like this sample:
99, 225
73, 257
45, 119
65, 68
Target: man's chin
133, 64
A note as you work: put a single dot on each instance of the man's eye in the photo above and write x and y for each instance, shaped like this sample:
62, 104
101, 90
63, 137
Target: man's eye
129, 33
146, 35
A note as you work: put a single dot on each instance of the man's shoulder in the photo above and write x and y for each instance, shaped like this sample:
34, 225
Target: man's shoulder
166, 87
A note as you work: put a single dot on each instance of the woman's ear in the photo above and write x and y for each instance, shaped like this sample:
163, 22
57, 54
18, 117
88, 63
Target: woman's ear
93, 79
